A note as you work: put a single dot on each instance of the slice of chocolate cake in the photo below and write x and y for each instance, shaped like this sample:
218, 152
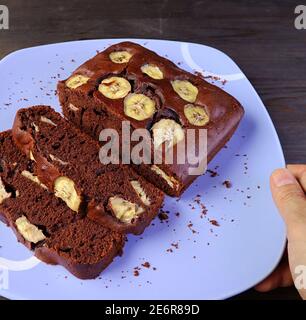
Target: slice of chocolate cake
45, 224
127, 82
67, 162
83, 247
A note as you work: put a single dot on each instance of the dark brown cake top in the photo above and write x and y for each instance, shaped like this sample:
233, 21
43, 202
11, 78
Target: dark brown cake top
139, 85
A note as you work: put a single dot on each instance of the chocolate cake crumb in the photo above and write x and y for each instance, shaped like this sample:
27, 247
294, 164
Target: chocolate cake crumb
136, 271
146, 265
190, 225
212, 173
214, 223
163, 216
227, 184
199, 74
175, 245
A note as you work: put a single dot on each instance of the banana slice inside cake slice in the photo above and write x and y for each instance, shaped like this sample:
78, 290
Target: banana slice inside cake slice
141, 192
64, 188
139, 106
115, 87
124, 210
3, 193
29, 231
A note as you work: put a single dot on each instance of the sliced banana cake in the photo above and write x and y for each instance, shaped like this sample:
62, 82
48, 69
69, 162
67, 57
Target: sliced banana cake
44, 223
66, 161
127, 82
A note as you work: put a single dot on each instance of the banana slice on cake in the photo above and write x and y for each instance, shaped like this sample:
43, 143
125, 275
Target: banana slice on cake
185, 89
115, 87
138, 106
196, 115
152, 71
120, 56
167, 131
76, 81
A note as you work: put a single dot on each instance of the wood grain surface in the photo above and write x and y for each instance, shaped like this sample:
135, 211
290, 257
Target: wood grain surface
259, 35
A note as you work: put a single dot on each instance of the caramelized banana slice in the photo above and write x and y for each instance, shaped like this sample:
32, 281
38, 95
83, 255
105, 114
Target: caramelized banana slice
76, 81
120, 56
139, 106
29, 231
141, 193
152, 71
115, 87
64, 188
167, 131
124, 210
196, 115
3, 193
185, 89
172, 182
33, 178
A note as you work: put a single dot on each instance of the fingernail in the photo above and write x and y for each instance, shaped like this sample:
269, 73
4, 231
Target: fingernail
283, 177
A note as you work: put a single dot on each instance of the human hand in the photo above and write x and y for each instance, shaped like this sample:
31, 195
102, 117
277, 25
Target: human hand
288, 188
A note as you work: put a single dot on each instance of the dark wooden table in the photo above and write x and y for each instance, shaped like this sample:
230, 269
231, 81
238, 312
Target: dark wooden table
258, 34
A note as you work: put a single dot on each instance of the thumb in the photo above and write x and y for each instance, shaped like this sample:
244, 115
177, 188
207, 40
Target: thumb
290, 199
291, 202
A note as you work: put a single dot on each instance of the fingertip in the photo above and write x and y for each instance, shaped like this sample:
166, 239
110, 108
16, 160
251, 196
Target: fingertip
282, 177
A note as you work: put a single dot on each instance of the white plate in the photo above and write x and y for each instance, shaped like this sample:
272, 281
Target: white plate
214, 262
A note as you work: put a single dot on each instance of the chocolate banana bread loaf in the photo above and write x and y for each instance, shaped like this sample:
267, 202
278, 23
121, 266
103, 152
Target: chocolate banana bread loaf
128, 82
45, 224
67, 163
